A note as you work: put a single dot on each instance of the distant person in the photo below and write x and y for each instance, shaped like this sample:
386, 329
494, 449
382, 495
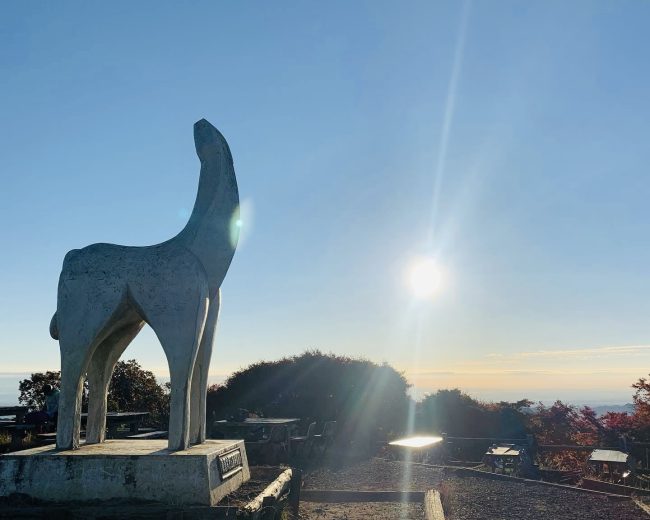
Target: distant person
50, 411
51, 402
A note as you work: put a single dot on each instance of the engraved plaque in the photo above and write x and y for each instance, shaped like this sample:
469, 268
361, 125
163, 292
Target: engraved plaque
230, 463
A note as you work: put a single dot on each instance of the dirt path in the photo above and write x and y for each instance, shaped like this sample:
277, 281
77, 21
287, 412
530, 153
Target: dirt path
376, 475
360, 511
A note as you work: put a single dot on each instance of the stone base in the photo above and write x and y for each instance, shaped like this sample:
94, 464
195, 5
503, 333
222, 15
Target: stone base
127, 469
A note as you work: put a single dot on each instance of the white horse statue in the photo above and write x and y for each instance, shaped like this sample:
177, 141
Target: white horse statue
108, 292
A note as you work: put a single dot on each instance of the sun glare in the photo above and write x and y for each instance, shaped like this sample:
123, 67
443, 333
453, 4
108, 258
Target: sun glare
416, 442
425, 277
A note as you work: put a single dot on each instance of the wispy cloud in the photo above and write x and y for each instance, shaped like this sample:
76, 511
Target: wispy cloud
579, 353
523, 372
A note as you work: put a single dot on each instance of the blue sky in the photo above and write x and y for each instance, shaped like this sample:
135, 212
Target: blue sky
506, 139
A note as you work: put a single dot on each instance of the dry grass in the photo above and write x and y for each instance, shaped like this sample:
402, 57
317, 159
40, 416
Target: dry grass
5, 442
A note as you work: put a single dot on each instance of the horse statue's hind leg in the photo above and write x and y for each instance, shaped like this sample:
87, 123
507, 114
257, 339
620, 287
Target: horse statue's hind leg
100, 370
83, 319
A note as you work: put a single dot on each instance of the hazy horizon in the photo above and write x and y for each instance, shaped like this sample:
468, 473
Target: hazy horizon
9, 390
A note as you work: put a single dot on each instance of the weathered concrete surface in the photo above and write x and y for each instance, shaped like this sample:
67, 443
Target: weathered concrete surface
127, 469
107, 292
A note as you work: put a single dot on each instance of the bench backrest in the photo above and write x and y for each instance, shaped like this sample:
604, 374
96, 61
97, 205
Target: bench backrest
329, 429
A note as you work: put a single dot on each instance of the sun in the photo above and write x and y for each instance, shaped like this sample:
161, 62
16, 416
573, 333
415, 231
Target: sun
425, 277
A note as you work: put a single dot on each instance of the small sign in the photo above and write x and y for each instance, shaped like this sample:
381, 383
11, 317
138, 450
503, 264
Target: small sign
230, 463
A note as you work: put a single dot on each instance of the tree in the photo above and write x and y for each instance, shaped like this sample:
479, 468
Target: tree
509, 420
642, 394
617, 424
555, 424
564, 424
452, 412
642, 400
363, 397
131, 389
642, 409
457, 414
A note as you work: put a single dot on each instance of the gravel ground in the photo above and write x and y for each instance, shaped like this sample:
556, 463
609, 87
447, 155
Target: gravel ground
464, 497
376, 475
475, 498
361, 511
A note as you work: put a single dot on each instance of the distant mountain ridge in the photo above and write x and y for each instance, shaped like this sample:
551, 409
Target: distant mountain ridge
600, 409
618, 408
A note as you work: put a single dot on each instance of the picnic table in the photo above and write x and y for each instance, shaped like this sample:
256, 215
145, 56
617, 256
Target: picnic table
261, 421
18, 412
115, 419
266, 438
253, 428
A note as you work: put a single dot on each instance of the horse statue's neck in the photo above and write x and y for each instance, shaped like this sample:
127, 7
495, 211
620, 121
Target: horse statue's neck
213, 228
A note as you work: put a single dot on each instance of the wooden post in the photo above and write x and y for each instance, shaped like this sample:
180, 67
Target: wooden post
294, 491
268, 497
17, 437
433, 506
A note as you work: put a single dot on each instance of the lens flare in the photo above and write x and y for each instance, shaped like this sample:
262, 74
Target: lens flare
425, 278
241, 223
235, 228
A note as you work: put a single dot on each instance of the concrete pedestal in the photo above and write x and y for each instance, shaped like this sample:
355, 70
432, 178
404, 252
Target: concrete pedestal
127, 469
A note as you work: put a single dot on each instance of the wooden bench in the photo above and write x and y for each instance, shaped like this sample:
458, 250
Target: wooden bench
46, 438
115, 419
18, 412
18, 434
145, 430
160, 434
